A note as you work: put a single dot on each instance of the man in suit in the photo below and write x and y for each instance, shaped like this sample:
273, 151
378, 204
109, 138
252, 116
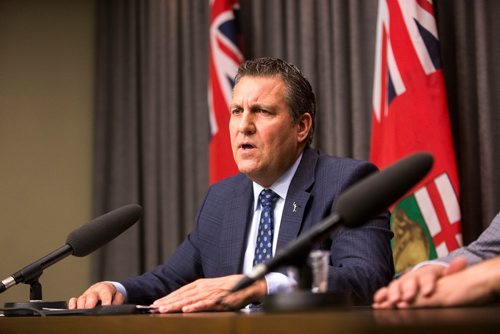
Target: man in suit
271, 127
446, 281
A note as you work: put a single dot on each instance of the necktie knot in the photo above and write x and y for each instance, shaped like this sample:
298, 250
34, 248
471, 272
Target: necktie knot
267, 198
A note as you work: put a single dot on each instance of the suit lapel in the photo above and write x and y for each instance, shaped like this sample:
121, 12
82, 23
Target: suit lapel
235, 227
297, 198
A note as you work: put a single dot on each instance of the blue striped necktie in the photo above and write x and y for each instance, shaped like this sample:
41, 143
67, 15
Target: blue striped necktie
264, 244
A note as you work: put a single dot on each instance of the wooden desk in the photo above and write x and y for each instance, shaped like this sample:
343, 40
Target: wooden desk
355, 320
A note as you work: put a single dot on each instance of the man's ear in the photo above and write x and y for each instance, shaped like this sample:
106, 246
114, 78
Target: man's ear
303, 127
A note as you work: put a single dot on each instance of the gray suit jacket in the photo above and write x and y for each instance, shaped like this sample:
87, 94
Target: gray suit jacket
485, 247
361, 258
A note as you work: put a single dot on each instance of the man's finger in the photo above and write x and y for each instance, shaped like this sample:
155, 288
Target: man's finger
380, 295
118, 299
409, 289
72, 303
428, 283
201, 305
81, 301
394, 292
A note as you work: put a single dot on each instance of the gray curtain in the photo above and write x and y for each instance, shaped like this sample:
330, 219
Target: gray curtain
471, 62
151, 115
151, 126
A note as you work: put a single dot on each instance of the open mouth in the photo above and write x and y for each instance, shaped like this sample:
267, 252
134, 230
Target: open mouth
247, 146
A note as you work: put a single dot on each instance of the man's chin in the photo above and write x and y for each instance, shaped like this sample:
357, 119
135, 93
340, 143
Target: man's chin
247, 168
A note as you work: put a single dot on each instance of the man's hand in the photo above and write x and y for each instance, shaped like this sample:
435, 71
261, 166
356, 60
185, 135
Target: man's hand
211, 294
402, 292
102, 292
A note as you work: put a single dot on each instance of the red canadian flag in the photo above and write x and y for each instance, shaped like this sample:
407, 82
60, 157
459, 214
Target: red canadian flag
410, 114
225, 57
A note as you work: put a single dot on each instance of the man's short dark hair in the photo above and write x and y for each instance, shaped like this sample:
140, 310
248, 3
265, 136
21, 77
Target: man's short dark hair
299, 94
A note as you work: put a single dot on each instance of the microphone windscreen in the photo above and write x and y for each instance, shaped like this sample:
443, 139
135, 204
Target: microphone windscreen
378, 191
101, 230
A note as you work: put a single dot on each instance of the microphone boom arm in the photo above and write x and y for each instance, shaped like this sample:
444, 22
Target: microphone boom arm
80, 242
32, 272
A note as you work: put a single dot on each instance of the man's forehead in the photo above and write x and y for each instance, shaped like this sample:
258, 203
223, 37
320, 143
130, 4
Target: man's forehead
255, 87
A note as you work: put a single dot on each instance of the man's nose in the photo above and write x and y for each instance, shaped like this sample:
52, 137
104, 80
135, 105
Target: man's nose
246, 124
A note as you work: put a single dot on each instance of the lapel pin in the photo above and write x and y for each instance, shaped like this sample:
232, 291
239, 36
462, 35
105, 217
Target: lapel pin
294, 207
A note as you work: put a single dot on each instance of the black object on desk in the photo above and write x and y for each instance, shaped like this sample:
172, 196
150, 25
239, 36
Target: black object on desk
53, 309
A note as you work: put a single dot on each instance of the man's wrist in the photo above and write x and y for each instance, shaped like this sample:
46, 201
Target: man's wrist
120, 289
431, 262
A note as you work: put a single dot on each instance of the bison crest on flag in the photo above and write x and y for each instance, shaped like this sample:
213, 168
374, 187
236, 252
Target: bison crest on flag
426, 224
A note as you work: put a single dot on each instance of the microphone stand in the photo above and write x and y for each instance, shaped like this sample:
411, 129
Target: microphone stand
80, 242
35, 286
31, 275
303, 299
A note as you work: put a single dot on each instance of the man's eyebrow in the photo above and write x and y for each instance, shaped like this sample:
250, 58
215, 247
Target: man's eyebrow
261, 106
253, 106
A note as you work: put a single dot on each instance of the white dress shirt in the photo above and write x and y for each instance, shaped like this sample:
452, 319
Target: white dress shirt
276, 282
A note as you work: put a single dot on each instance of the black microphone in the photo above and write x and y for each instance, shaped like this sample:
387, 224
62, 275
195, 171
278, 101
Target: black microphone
353, 207
80, 242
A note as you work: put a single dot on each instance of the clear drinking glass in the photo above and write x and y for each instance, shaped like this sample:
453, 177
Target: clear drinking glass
318, 260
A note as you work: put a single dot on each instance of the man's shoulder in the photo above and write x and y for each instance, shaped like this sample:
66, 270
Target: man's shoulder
229, 193
338, 172
337, 163
233, 183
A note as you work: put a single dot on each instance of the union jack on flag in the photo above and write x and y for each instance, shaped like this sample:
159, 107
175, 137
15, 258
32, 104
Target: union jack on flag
225, 57
410, 114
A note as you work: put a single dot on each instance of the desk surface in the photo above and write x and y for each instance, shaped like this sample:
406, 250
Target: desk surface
355, 320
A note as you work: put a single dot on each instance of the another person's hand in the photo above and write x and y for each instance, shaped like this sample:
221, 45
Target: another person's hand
211, 294
472, 286
104, 293
402, 292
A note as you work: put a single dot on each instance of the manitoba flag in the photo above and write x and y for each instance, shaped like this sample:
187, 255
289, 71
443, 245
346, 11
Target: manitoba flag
410, 114
225, 57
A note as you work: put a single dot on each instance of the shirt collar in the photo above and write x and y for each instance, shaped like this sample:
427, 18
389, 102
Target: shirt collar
280, 186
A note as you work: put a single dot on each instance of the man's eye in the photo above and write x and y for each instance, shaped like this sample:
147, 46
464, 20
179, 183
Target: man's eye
236, 111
